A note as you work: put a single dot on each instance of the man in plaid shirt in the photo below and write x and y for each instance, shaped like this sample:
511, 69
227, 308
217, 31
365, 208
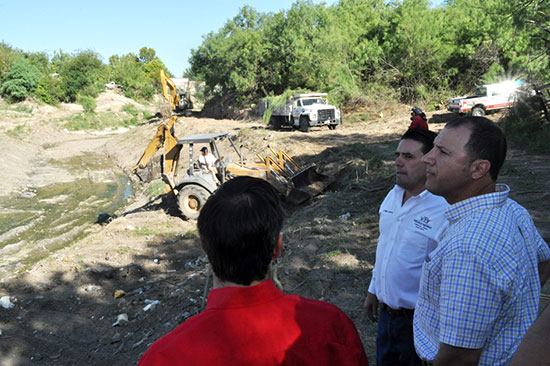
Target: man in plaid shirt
480, 288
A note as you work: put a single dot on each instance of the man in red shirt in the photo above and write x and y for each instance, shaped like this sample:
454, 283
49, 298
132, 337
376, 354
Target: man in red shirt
418, 119
249, 321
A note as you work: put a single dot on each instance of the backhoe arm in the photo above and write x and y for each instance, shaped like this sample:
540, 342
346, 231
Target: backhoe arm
163, 133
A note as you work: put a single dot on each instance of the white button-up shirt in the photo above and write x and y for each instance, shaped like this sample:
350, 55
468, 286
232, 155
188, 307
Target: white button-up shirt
408, 233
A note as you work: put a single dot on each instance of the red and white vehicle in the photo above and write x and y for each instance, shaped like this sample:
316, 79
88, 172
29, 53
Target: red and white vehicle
487, 98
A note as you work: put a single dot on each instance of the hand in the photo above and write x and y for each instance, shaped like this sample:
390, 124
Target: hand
371, 306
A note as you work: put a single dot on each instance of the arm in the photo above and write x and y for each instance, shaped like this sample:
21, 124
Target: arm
371, 306
451, 356
534, 350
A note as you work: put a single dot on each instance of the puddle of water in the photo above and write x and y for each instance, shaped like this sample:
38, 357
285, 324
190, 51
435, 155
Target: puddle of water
40, 220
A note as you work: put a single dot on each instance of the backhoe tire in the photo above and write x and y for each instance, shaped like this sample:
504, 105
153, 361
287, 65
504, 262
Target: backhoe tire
304, 124
191, 198
478, 112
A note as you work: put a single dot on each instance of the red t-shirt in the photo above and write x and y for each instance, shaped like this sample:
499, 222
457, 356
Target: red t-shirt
260, 325
419, 122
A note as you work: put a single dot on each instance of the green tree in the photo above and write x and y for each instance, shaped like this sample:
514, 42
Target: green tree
7, 57
146, 55
129, 72
50, 89
21, 80
83, 74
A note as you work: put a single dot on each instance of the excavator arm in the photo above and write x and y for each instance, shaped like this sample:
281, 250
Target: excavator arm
164, 137
169, 92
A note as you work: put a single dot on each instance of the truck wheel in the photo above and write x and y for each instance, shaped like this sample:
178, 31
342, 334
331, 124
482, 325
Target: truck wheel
304, 124
275, 122
191, 199
478, 112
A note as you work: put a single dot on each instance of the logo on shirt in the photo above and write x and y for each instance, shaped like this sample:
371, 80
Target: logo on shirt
423, 223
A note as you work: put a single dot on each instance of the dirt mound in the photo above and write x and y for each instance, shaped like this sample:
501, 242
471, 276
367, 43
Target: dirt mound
113, 101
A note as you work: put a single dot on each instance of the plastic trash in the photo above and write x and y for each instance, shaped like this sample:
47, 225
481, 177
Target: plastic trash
6, 303
150, 304
121, 319
93, 288
119, 293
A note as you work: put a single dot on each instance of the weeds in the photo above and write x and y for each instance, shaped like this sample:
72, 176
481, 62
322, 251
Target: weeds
99, 121
131, 109
20, 108
156, 188
18, 132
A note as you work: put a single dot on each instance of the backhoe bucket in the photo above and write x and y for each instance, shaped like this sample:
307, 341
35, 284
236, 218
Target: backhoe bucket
306, 184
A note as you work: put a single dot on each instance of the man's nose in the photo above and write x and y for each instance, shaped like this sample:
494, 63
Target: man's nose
428, 157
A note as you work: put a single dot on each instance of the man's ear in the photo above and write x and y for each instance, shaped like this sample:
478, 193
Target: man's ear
278, 248
480, 168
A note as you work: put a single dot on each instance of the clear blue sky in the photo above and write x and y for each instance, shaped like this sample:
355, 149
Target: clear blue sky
118, 27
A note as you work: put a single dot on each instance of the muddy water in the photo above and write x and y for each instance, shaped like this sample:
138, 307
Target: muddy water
45, 217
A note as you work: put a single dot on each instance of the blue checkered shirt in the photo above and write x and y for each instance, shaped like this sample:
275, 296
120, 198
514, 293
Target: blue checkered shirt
480, 287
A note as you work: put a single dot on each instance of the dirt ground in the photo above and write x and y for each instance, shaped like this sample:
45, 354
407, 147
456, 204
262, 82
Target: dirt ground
66, 310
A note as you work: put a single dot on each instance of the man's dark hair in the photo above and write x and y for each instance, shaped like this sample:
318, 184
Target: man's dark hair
487, 141
239, 227
425, 137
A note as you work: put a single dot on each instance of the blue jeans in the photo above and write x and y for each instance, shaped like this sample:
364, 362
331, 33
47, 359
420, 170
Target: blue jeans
394, 341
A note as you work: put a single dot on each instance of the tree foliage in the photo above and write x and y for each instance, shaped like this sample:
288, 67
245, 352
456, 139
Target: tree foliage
356, 50
407, 46
20, 80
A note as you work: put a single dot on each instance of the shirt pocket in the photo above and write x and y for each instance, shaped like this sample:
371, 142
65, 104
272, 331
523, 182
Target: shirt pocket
413, 246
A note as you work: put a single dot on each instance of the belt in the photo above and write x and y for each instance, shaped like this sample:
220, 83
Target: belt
427, 363
397, 312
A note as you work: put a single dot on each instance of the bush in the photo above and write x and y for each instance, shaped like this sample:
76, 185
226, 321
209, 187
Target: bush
49, 90
20, 81
88, 103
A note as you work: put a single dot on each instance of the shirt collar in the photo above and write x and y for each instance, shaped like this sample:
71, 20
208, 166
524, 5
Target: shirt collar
238, 297
485, 201
400, 190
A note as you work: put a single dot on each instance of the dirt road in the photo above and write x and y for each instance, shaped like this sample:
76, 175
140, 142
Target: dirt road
65, 310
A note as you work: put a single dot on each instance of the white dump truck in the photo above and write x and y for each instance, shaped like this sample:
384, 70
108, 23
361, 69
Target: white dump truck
304, 111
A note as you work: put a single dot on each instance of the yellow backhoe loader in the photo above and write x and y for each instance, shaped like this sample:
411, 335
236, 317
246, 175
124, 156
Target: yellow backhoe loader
297, 184
174, 100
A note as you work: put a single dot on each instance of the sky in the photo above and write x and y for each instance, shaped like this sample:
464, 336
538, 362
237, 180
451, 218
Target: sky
118, 27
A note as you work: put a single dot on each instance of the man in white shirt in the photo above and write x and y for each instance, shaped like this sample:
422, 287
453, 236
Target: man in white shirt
207, 161
411, 220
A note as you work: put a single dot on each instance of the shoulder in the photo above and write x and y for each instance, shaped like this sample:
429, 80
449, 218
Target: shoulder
168, 346
392, 195
315, 308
